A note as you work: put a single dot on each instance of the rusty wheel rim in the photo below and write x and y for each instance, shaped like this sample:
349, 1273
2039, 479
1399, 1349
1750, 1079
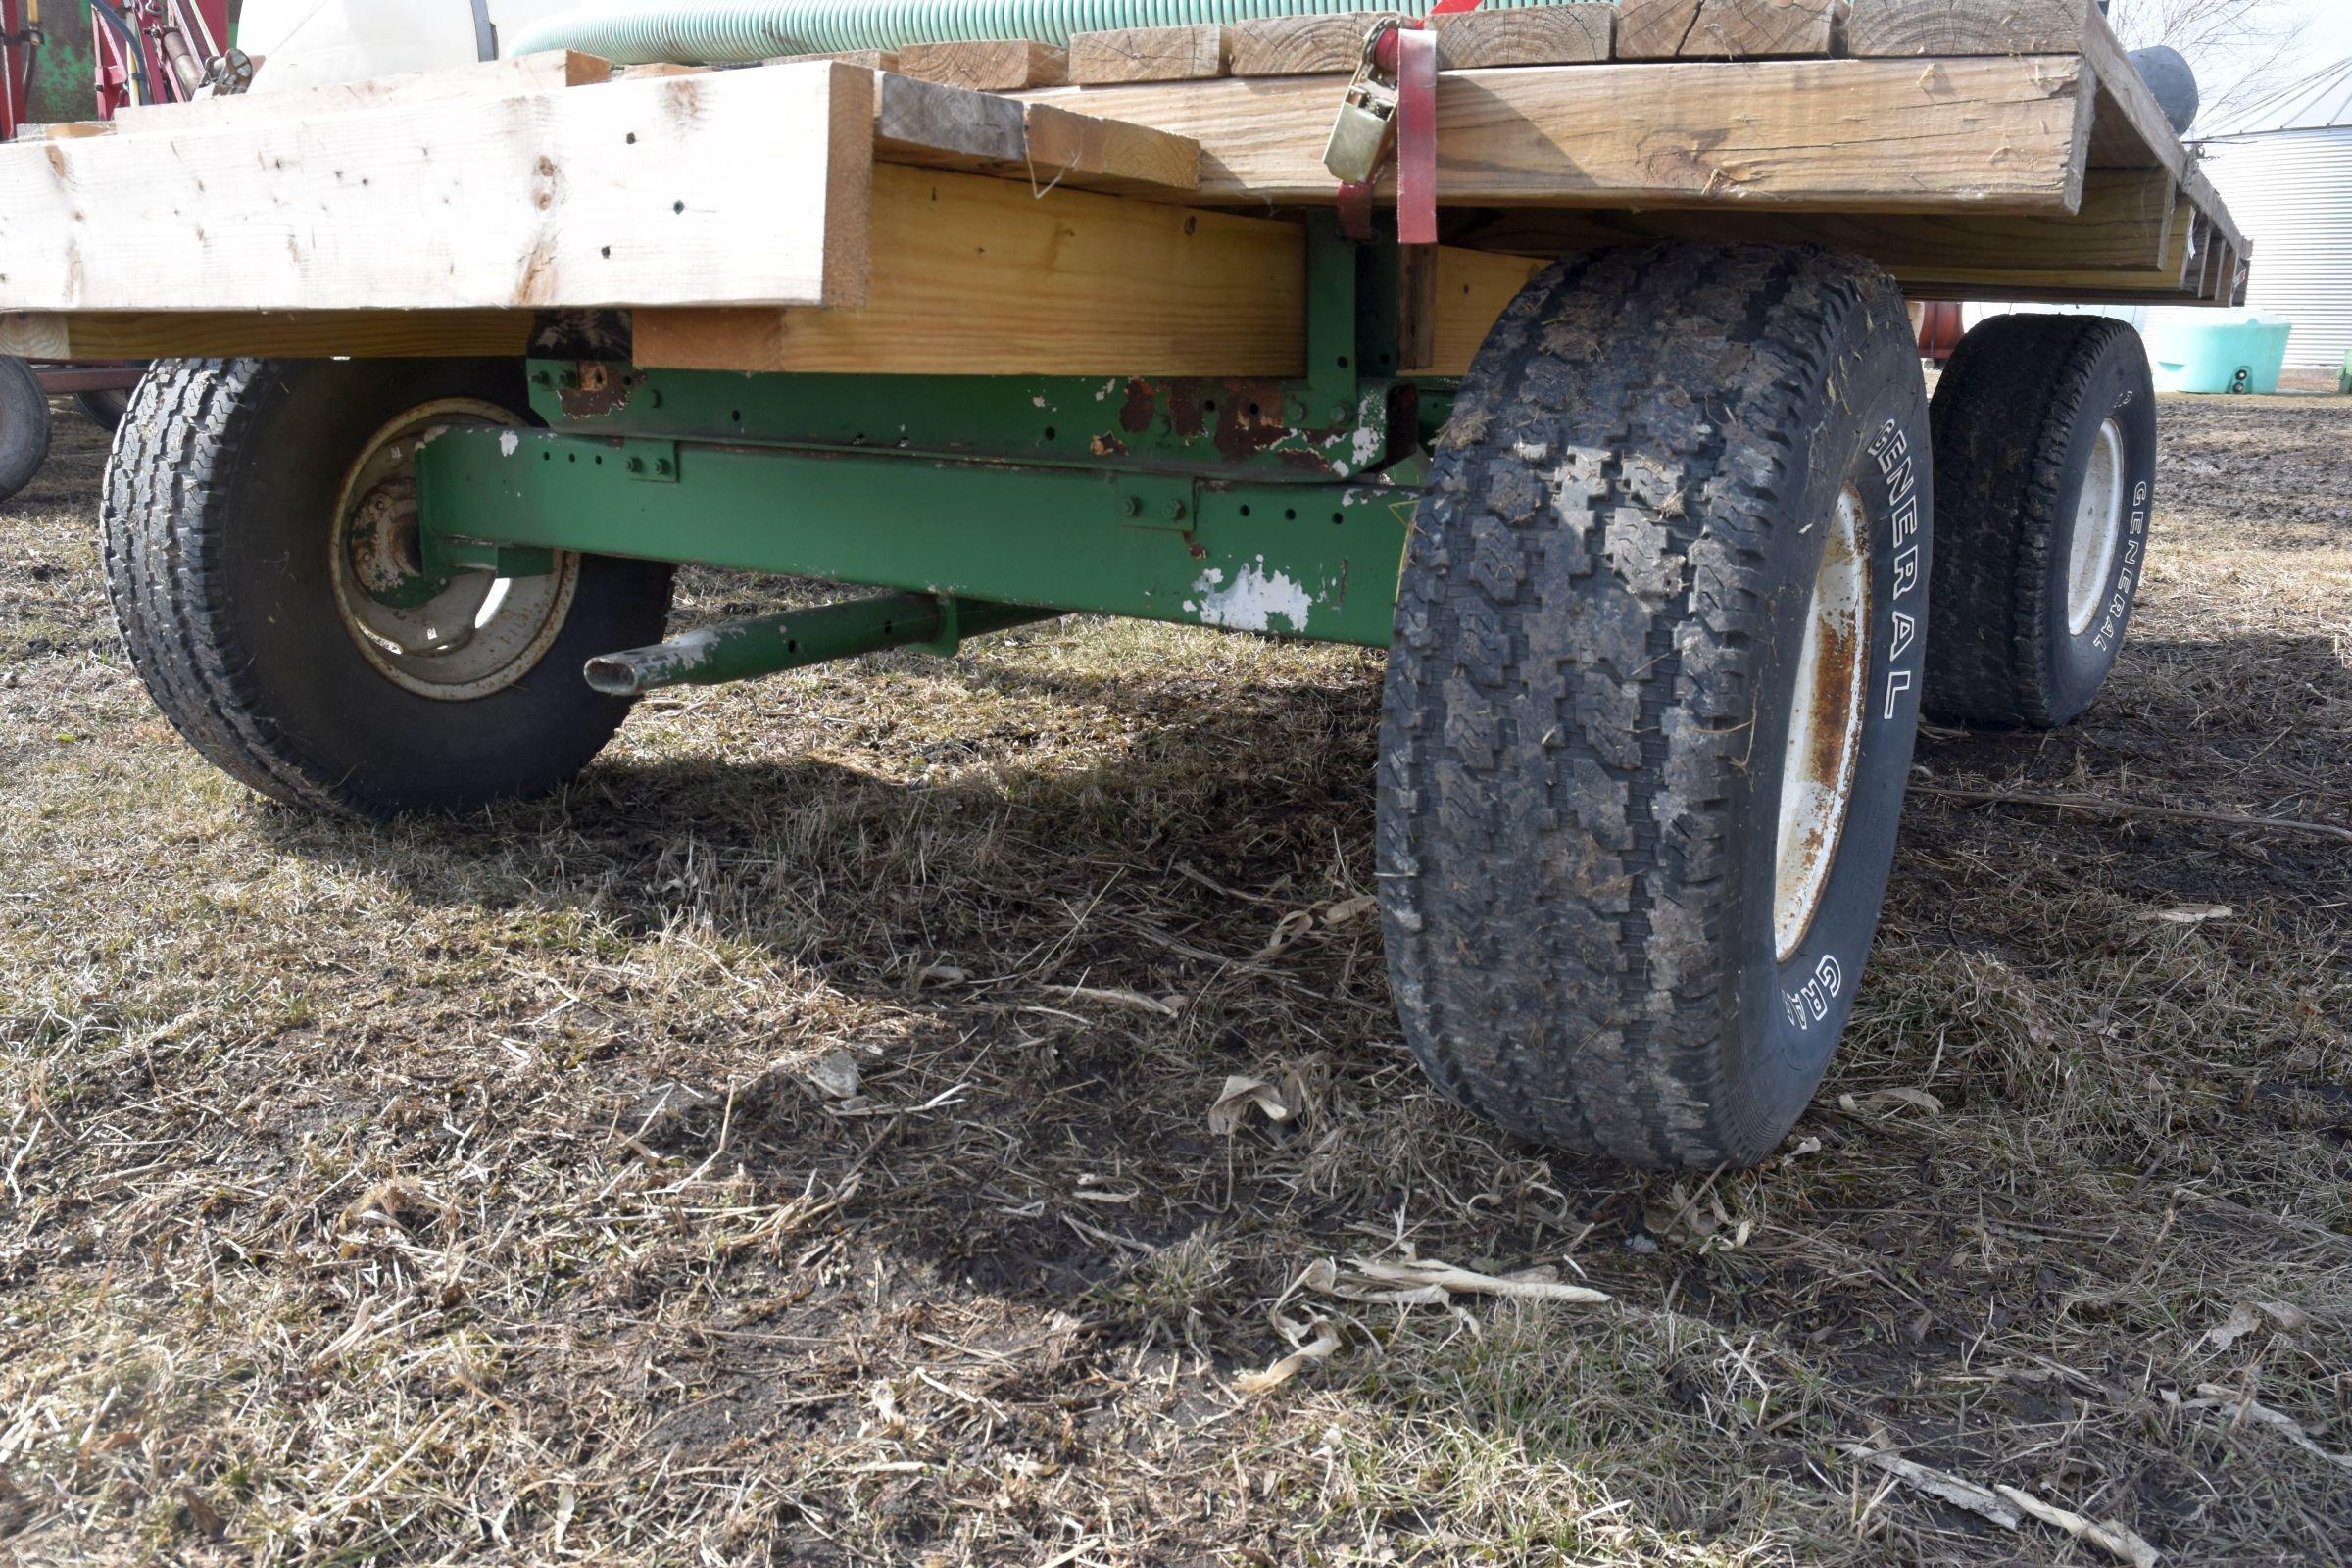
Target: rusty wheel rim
479, 634
2098, 532
1819, 762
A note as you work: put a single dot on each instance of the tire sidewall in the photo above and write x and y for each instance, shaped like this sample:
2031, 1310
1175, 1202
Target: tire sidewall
1873, 433
24, 426
2118, 387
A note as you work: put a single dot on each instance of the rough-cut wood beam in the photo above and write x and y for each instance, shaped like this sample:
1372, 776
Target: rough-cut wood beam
1527, 36
988, 66
491, 79
1985, 135
1150, 54
289, 334
2124, 225
1964, 26
591, 196
1722, 29
975, 277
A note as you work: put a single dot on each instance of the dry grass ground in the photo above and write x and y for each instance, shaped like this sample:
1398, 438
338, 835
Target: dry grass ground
487, 1192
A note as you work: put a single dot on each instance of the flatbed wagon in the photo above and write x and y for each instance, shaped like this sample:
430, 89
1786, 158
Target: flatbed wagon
1608, 426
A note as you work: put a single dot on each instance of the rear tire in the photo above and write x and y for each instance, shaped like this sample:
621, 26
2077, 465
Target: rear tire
230, 572
23, 425
105, 408
1676, 482
2045, 479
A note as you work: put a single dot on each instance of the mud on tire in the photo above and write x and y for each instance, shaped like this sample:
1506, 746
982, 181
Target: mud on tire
1598, 641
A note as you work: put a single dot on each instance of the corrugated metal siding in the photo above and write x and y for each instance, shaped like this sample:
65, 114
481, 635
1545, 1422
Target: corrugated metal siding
2291, 194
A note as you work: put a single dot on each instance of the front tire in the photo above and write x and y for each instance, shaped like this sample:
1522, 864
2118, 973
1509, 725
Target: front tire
23, 425
232, 511
1652, 694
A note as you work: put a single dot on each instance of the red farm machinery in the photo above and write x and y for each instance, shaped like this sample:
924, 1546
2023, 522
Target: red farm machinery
67, 65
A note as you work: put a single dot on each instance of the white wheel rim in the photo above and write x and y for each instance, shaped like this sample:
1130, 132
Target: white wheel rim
1825, 727
483, 632
2099, 531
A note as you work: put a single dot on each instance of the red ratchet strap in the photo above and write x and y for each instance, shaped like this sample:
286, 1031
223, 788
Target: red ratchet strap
1409, 53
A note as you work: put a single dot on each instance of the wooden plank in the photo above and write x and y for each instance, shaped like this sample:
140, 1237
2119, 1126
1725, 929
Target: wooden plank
490, 79
2130, 130
939, 127
986, 65
2125, 224
1722, 29
1472, 287
290, 334
1099, 154
1299, 46
1528, 36
1875, 28
2173, 273
1150, 54
928, 122
976, 277
591, 196
862, 59
1985, 135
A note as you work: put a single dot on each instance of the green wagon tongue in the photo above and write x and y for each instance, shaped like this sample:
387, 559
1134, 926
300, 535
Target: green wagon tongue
725, 31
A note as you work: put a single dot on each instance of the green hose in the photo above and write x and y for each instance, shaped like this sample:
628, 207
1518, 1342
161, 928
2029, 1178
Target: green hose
725, 31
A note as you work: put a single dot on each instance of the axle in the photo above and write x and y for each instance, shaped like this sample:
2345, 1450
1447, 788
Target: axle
741, 649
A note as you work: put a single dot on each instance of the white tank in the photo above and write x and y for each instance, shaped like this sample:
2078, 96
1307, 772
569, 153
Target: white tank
307, 43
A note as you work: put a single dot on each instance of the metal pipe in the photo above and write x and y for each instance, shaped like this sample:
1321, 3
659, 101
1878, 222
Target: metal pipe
738, 649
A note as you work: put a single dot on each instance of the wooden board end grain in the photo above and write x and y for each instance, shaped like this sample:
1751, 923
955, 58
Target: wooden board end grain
1724, 30
1875, 28
1331, 44
1527, 36
1150, 54
986, 66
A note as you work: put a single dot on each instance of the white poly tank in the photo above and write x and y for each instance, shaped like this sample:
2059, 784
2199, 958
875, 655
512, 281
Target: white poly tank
307, 43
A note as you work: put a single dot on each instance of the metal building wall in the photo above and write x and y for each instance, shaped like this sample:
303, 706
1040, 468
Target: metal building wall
2291, 193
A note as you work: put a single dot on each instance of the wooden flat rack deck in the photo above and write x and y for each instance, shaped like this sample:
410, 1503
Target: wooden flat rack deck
1129, 205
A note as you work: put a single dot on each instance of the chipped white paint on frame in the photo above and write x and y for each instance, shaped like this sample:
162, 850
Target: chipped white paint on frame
1252, 600
508, 443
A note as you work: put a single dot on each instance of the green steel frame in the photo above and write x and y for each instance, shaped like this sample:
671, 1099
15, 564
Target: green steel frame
1263, 505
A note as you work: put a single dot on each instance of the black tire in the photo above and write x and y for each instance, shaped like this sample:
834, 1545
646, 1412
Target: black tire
1596, 646
2018, 421
218, 516
105, 407
23, 425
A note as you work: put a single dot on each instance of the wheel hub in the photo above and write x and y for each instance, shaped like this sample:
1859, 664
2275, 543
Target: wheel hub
1825, 727
2099, 531
454, 638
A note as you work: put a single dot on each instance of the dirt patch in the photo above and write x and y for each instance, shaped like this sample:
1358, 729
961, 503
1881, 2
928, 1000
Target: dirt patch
792, 1144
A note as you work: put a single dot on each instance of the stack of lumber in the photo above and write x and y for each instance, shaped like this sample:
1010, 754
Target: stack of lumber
1137, 215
